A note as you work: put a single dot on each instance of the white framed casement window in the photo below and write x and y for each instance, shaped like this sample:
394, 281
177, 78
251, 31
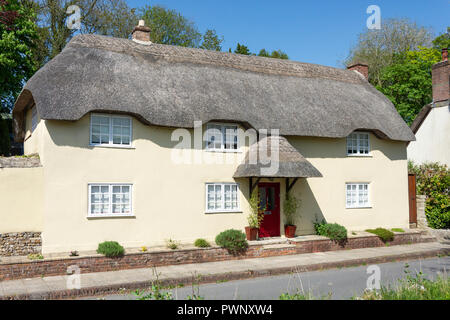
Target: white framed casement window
110, 200
222, 137
222, 197
110, 130
357, 195
358, 144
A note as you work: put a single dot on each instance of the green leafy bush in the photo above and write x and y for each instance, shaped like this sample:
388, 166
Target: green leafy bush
397, 230
290, 209
334, 231
111, 249
382, 233
255, 216
201, 243
433, 180
232, 240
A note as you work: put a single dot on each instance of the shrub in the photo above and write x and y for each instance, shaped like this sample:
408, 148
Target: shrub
290, 209
397, 230
433, 180
255, 217
232, 240
201, 243
111, 249
172, 244
382, 233
334, 231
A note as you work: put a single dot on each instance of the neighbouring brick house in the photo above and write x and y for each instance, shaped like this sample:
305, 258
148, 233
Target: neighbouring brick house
110, 120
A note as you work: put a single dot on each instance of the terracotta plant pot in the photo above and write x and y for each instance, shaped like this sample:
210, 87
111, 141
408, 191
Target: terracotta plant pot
289, 231
251, 233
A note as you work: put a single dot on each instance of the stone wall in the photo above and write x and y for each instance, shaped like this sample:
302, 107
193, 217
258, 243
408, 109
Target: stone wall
20, 243
422, 222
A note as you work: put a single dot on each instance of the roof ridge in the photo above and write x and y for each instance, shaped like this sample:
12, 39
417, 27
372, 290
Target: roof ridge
216, 58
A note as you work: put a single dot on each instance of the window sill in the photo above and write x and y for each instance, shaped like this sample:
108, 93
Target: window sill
223, 211
223, 150
359, 155
368, 207
108, 216
113, 146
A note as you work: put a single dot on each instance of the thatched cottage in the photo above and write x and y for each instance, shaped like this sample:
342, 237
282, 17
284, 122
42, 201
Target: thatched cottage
125, 131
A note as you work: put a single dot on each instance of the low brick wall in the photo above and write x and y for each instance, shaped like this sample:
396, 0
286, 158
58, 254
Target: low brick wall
20, 243
49, 267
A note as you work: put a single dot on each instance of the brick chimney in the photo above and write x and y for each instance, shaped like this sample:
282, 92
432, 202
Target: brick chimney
441, 78
361, 67
141, 33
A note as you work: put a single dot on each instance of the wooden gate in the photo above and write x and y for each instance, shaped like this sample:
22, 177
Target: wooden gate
412, 199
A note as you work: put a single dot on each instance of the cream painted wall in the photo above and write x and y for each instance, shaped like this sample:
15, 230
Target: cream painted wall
433, 138
33, 140
21, 198
385, 171
169, 199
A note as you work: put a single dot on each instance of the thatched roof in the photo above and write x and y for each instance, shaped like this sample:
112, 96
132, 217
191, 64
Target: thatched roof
291, 164
173, 86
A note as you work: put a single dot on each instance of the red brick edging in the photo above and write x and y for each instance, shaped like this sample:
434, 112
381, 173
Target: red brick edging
52, 267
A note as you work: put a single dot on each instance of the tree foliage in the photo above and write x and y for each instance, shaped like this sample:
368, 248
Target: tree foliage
433, 180
442, 41
379, 48
170, 27
17, 38
211, 41
407, 83
241, 49
277, 54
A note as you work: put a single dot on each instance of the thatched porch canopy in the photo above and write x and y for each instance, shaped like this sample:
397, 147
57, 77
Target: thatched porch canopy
290, 163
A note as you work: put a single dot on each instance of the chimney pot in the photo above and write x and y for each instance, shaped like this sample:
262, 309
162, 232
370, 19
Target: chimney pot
361, 67
141, 33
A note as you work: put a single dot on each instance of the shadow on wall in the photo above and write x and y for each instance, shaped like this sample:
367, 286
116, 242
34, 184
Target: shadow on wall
77, 133
310, 211
314, 147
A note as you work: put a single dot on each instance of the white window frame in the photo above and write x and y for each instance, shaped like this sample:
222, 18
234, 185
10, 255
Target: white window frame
110, 142
34, 119
358, 147
109, 214
223, 135
223, 210
357, 206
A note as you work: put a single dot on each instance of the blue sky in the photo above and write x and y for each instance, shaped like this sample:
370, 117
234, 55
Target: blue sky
319, 32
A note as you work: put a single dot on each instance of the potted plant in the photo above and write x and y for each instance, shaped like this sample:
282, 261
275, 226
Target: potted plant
290, 211
255, 217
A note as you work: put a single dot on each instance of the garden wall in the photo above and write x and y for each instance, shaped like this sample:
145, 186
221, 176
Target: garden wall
97, 263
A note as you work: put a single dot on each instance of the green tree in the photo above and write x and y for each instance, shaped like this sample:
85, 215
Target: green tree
407, 83
17, 36
277, 54
170, 27
241, 49
5, 141
211, 41
442, 41
110, 17
380, 48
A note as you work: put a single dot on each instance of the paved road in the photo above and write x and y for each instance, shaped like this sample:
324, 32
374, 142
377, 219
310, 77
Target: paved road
340, 283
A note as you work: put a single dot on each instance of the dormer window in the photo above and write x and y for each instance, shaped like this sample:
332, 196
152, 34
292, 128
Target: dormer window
358, 144
109, 130
221, 137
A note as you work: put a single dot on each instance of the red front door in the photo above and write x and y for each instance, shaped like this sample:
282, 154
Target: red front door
269, 197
